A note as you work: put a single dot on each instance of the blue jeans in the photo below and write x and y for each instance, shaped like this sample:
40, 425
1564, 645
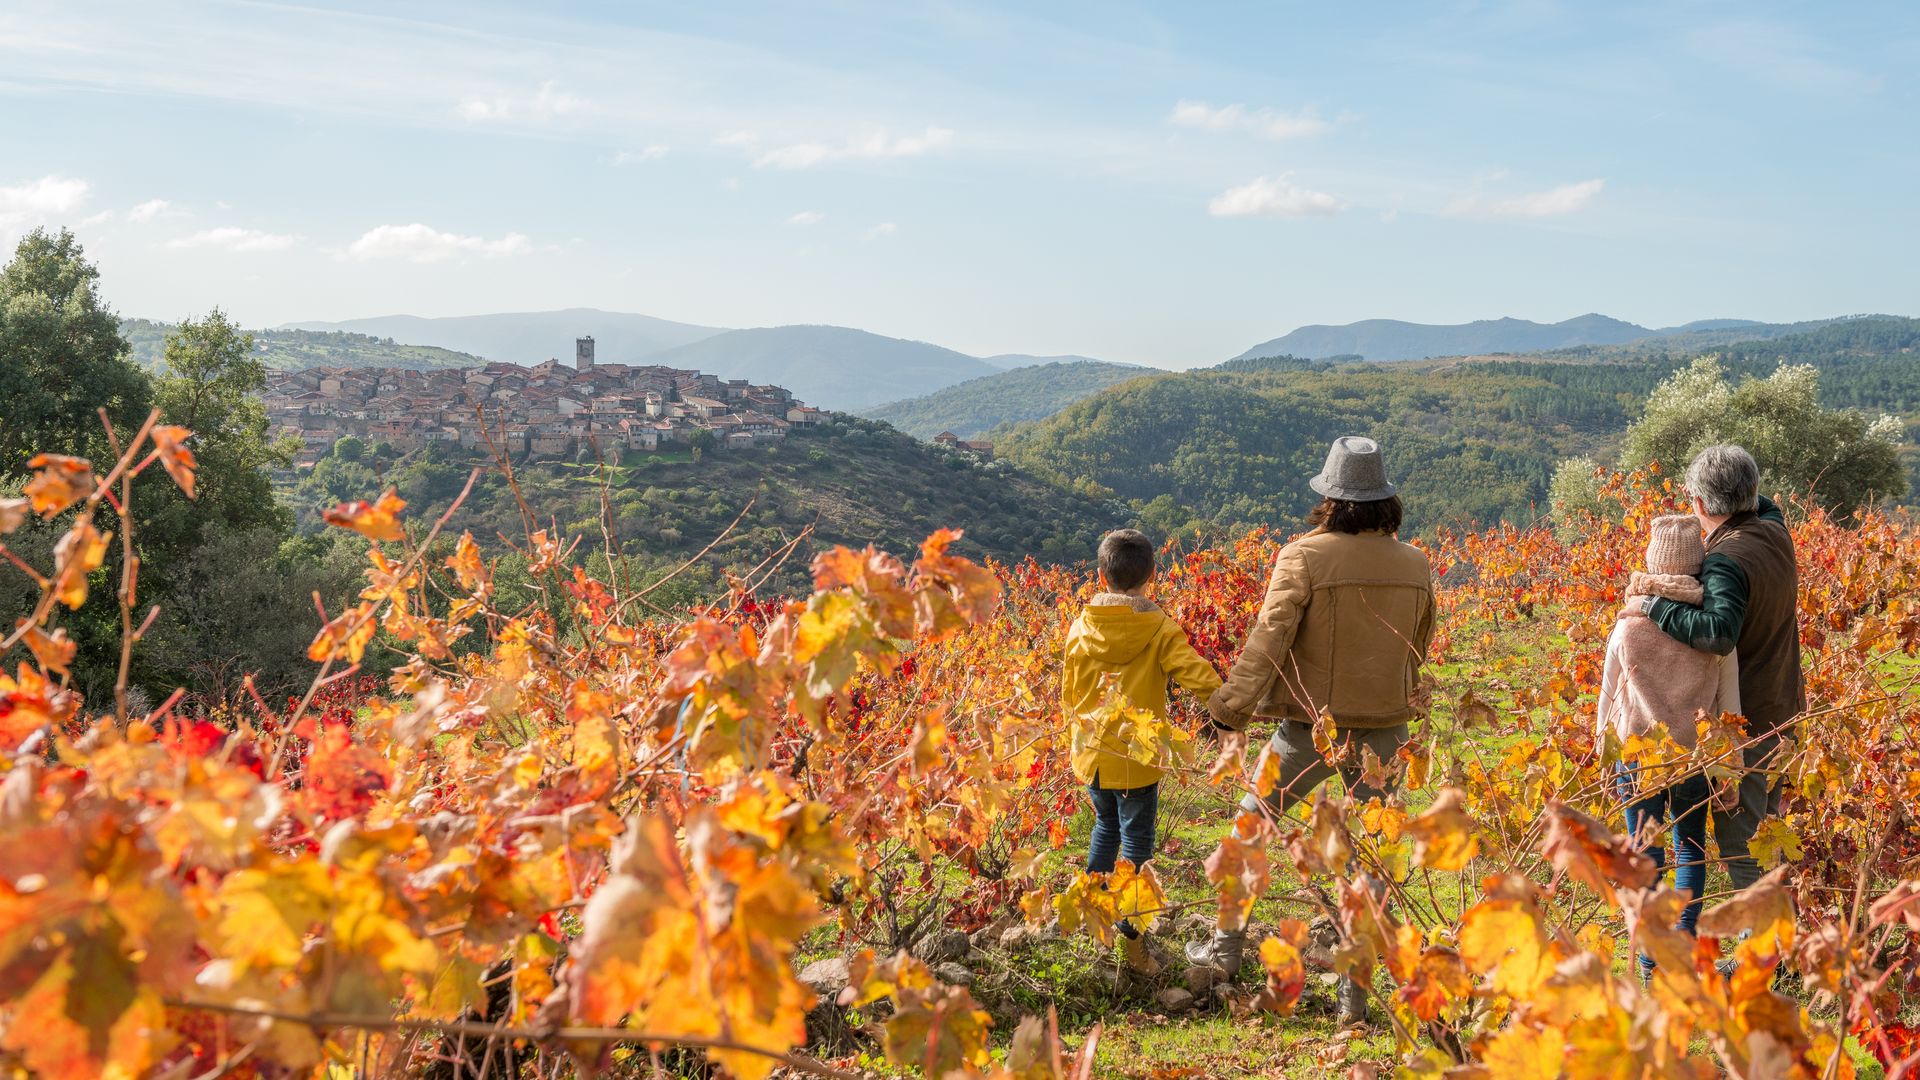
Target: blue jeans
1685, 803
1123, 824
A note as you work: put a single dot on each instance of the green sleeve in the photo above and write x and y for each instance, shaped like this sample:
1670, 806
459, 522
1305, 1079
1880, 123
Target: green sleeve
1768, 510
1714, 626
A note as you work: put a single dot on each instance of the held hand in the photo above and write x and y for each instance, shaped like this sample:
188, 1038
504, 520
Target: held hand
1231, 759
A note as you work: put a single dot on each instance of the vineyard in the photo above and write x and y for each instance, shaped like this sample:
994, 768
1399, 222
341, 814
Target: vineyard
597, 836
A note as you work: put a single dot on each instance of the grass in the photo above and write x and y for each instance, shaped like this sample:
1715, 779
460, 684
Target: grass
1136, 1041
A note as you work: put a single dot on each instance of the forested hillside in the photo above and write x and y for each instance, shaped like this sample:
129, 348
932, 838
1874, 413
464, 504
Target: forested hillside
977, 406
292, 349
1471, 440
853, 481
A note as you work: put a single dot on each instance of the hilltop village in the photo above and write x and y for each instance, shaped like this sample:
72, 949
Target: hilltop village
547, 410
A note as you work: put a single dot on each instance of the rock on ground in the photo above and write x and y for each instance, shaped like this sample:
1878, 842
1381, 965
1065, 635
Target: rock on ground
953, 974
826, 977
1201, 978
942, 946
1173, 1000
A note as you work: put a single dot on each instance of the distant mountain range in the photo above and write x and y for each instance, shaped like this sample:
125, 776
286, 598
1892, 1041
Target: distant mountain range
1392, 339
851, 370
831, 366
528, 337
835, 367
977, 406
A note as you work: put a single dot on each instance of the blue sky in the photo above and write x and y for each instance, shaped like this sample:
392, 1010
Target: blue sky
1163, 184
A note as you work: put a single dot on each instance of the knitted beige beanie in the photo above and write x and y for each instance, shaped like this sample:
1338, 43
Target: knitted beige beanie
1675, 546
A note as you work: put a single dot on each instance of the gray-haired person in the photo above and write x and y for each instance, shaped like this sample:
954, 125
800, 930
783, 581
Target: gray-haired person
1751, 600
1344, 627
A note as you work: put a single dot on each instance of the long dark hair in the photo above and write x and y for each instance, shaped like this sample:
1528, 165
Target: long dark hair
1343, 516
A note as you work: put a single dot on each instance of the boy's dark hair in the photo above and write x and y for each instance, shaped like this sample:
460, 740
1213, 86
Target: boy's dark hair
1340, 515
1126, 558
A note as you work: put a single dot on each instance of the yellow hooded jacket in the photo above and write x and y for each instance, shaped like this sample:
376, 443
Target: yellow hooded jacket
1131, 639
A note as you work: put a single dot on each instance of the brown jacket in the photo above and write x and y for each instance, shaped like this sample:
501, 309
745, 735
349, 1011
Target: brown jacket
1345, 627
1751, 592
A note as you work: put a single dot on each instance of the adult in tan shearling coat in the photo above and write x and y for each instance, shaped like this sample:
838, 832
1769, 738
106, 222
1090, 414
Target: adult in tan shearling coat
1344, 628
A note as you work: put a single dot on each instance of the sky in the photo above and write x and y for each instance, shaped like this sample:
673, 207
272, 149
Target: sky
1162, 184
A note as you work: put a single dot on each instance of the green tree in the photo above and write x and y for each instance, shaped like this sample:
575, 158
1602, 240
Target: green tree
209, 383
1837, 457
61, 356
349, 448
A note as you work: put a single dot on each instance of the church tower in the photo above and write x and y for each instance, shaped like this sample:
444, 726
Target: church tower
583, 353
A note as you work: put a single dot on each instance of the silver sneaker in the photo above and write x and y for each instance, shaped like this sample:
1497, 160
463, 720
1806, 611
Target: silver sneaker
1223, 950
1353, 1003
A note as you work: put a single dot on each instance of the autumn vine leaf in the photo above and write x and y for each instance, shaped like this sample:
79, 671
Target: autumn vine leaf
378, 520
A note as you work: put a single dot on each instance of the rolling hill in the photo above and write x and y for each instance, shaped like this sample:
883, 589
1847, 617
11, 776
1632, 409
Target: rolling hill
1471, 441
834, 367
853, 481
1391, 339
528, 337
292, 349
977, 406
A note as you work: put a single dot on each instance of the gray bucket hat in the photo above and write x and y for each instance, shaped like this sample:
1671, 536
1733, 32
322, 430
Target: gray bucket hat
1354, 472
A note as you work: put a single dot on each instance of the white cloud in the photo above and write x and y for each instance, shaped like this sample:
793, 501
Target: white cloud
241, 241
36, 202
100, 218
645, 153
1552, 202
545, 105
1265, 123
1272, 196
423, 244
807, 217
872, 146
149, 210
885, 228
736, 138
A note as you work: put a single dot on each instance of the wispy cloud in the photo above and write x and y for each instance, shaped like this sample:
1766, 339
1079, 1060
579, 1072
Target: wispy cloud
149, 210
1264, 123
1780, 55
237, 240
807, 217
1273, 196
545, 105
38, 202
885, 228
874, 145
424, 244
645, 153
1552, 202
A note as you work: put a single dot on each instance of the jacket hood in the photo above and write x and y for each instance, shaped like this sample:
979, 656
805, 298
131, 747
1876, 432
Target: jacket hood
1118, 628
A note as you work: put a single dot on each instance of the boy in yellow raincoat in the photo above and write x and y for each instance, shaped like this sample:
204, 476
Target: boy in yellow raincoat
1123, 642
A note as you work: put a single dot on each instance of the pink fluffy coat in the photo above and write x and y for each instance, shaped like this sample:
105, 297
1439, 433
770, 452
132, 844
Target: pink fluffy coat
1651, 679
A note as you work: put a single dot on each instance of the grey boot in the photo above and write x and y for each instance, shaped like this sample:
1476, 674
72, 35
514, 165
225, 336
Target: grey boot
1222, 950
1353, 1003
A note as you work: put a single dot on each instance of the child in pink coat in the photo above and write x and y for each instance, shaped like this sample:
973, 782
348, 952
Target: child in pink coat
1650, 680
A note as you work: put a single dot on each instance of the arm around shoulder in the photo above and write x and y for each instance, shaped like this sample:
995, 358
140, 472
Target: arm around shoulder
1715, 625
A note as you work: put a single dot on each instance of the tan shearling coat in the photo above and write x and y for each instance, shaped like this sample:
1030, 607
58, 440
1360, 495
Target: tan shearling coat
1344, 627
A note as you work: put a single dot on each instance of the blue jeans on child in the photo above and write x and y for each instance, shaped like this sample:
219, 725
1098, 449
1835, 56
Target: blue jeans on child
1685, 804
1123, 824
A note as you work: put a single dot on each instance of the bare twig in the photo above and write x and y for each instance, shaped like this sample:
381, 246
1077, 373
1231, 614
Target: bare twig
471, 1029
